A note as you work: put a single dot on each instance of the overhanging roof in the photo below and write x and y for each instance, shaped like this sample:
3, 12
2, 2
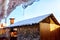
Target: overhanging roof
30, 21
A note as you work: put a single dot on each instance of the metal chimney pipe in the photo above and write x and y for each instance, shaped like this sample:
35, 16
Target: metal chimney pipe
12, 20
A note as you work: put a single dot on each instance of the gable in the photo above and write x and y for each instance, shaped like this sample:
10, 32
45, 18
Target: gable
53, 25
46, 20
51, 21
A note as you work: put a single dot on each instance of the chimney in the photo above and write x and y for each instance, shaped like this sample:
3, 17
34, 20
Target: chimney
12, 20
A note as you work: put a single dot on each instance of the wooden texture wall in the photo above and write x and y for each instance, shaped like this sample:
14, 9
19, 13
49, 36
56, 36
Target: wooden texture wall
30, 32
49, 30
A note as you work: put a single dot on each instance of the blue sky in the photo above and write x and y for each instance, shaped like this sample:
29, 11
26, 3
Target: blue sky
36, 9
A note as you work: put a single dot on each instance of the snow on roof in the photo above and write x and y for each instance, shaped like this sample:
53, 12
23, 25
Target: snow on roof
30, 21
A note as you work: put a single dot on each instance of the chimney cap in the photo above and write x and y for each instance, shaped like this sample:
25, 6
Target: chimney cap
12, 18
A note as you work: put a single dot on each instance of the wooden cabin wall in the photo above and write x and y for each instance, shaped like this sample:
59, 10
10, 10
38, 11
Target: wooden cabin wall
45, 31
49, 30
54, 30
55, 35
28, 32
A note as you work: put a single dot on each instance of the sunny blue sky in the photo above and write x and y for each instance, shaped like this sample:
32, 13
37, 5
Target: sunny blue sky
36, 9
